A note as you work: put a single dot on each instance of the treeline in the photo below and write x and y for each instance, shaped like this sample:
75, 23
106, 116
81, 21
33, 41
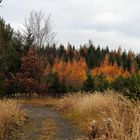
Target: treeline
47, 69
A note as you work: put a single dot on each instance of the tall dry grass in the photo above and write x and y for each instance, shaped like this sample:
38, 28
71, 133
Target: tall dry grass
12, 119
106, 115
39, 101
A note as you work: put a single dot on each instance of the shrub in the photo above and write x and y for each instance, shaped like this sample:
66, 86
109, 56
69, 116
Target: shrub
96, 83
129, 86
55, 87
21, 84
89, 83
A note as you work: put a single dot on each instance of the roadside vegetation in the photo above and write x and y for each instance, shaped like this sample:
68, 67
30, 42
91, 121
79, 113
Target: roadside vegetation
104, 115
12, 119
39, 101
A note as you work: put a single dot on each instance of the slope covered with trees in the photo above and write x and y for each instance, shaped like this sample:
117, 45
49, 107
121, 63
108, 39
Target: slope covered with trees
28, 67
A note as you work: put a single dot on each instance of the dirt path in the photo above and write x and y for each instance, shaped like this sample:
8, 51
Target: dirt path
65, 130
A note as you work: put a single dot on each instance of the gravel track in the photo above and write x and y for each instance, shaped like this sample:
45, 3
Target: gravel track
65, 129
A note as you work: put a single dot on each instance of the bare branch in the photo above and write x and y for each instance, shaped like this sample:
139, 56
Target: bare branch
41, 28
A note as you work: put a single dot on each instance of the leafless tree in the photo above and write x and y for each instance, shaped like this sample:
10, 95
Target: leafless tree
41, 28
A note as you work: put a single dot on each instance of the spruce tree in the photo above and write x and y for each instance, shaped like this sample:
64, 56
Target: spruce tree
89, 83
2, 36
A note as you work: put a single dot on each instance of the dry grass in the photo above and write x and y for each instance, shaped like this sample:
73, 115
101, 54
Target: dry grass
109, 115
48, 129
106, 116
39, 101
11, 119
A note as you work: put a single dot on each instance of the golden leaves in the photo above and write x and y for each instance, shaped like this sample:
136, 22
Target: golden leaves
72, 73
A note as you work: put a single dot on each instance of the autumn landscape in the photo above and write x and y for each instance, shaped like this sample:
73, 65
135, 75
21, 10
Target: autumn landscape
60, 91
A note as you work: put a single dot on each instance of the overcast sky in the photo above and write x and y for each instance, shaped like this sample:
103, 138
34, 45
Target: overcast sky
107, 22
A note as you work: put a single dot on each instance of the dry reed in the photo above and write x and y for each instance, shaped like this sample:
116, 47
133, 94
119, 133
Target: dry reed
106, 115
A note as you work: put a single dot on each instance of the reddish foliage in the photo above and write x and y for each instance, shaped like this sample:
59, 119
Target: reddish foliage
28, 80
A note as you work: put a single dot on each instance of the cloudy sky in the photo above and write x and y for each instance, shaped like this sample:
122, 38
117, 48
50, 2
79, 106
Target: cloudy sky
107, 22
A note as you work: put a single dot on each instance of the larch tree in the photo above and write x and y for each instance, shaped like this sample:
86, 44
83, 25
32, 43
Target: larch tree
71, 73
111, 72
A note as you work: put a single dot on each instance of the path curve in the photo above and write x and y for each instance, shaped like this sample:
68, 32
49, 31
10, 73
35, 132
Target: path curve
65, 129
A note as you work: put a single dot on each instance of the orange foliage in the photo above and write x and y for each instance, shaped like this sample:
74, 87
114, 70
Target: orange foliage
110, 71
71, 73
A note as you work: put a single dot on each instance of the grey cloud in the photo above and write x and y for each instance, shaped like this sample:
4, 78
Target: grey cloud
80, 20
